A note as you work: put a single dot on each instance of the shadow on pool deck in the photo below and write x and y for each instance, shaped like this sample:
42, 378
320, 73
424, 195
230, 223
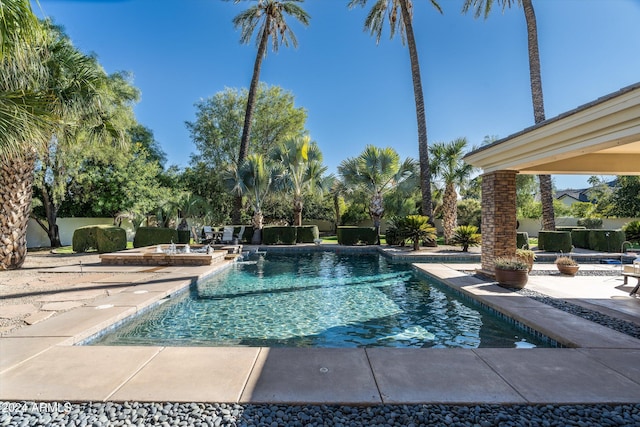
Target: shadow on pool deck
39, 362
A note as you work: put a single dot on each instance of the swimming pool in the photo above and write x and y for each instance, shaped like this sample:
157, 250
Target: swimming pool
320, 299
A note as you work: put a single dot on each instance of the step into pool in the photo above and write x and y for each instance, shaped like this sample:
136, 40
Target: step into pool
320, 299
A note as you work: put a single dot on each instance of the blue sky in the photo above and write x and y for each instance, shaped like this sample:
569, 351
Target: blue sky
474, 71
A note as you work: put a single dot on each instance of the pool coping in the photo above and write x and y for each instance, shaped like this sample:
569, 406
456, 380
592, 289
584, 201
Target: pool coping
41, 363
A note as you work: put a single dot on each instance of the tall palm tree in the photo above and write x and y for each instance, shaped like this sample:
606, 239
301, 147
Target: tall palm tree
376, 171
483, 7
302, 161
268, 17
255, 178
448, 165
375, 24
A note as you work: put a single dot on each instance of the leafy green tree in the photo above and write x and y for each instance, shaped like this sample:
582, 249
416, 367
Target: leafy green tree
403, 24
301, 160
216, 133
267, 19
470, 212
626, 197
448, 166
483, 7
376, 171
582, 209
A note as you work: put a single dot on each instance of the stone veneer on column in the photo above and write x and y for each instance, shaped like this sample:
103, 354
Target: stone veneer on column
498, 217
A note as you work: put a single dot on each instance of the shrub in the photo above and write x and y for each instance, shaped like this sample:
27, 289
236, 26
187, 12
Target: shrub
349, 235
103, 238
522, 240
632, 231
393, 235
580, 238
510, 263
565, 260
527, 256
591, 223
606, 240
554, 241
148, 236
466, 235
279, 235
111, 239
307, 233
184, 236
417, 229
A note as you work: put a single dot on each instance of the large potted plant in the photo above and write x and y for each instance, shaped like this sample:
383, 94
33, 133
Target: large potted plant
567, 265
511, 272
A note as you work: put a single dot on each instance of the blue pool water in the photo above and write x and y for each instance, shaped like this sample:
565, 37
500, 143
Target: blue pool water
319, 299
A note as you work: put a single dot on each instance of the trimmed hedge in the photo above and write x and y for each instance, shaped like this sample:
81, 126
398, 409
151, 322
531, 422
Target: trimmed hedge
148, 236
184, 236
279, 235
103, 238
580, 238
554, 241
606, 240
522, 240
247, 235
351, 236
570, 227
307, 233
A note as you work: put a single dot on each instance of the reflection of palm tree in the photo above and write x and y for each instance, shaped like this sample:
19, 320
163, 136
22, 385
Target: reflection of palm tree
483, 7
376, 171
375, 23
268, 16
301, 160
448, 165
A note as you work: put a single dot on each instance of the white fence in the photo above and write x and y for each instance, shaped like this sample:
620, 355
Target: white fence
37, 237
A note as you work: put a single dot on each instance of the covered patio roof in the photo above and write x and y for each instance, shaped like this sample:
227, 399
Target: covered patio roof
598, 138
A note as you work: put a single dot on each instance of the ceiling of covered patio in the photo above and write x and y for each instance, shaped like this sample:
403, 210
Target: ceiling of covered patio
598, 138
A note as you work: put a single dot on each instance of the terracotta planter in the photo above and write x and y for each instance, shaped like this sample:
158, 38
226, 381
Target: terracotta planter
569, 270
512, 278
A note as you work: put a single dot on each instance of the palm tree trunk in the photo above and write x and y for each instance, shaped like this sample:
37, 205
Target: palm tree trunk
376, 210
297, 212
51, 211
546, 188
423, 148
248, 115
450, 212
16, 191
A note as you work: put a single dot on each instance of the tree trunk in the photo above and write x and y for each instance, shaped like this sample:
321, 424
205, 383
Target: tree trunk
256, 222
546, 189
51, 211
297, 212
423, 148
16, 191
450, 212
376, 210
336, 206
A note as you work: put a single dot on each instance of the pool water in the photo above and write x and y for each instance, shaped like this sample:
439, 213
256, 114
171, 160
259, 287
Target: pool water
320, 299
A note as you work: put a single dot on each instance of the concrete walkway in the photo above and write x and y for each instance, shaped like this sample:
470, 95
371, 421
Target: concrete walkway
40, 362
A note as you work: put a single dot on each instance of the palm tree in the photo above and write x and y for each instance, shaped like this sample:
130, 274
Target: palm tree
376, 171
255, 178
268, 16
448, 165
375, 23
483, 7
302, 161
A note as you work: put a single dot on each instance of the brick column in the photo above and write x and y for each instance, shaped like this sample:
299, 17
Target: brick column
498, 217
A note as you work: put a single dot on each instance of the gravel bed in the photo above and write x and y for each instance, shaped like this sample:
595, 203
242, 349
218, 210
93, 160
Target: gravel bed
199, 414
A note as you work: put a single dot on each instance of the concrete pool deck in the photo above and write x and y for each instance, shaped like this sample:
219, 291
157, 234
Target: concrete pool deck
40, 363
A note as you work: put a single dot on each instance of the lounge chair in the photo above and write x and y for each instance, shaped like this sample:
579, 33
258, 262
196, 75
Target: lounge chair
207, 235
227, 235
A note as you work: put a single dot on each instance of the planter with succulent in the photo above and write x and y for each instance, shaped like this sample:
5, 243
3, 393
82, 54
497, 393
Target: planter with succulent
511, 272
567, 265
527, 256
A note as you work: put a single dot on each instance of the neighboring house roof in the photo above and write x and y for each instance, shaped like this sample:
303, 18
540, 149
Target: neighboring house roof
577, 195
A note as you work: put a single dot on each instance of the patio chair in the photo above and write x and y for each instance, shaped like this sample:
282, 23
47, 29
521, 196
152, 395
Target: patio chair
207, 235
227, 235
